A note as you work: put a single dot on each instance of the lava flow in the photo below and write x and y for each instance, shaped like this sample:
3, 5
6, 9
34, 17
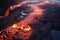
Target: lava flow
23, 25
22, 29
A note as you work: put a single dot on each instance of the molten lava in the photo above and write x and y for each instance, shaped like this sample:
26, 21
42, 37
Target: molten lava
14, 26
22, 29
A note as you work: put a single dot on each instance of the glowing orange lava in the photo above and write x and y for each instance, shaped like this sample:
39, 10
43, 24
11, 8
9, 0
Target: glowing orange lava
27, 29
14, 26
22, 28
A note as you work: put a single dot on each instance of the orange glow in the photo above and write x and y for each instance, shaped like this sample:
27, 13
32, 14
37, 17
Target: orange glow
36, 9
12, 7
14, 26
22, 26
5, 14
26, 27
37, 12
